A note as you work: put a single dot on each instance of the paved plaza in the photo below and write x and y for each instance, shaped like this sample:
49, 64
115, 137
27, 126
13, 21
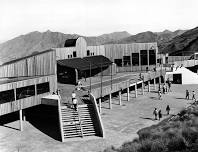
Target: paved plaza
121, 124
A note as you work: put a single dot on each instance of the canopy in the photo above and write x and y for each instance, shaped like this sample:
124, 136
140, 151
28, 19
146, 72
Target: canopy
85, 63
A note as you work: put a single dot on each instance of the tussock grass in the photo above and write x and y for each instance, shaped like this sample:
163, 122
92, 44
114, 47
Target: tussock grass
178, 134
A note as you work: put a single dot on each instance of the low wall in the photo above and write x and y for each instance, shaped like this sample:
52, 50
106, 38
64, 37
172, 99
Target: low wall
98, 117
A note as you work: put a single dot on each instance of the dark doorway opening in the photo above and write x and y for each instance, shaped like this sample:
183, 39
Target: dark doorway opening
177, 78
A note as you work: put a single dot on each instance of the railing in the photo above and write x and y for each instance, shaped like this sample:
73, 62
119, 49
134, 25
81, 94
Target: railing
98, 117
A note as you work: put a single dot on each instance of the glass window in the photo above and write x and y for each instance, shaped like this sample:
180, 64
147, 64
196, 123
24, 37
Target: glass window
135, 59
74, 54
143, 56
118, 62
152, 57
127, 60
25, 92
88, 53
6, 96
68, 56
43, 88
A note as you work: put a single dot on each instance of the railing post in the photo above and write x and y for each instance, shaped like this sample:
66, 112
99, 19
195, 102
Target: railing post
148, 85
21, 120
100, 105
120, 97
135, 90
110, 101
128, 97
142, 88
154, 83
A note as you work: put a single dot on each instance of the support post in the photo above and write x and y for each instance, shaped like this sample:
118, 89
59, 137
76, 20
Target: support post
110, 101
154, 83
136, 90
148, 85
142, 88
21, 120
120, 98
128, 97
100, 105
24, 116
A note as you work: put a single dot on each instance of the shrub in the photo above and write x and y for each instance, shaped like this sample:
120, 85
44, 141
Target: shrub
176, 144
190, 135
158, 146
145, 134
129, 147
145, 146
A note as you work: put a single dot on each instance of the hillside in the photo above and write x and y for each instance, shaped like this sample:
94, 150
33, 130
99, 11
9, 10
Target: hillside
184, 44
36, 42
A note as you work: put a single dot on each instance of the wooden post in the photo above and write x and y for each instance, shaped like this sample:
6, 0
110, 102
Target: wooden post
142, 88
136, 90
154, 83
110, 105
100, 105
128, 97
21, 121
148, 85
120, 98
24, 116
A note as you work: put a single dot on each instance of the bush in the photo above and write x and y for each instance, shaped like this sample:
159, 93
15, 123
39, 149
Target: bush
129, 147
190, 135
176, 144
158, 146
145, 134
145, 146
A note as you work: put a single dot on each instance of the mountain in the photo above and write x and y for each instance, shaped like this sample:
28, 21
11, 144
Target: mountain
184, 44
144, 37
34, 42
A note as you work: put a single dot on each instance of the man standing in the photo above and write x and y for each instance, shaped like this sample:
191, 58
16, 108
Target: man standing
155, 113
193, 95
187, 94
167, 109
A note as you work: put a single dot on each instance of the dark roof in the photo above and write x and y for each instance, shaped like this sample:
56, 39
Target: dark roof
70, 43
98, 60
85, 63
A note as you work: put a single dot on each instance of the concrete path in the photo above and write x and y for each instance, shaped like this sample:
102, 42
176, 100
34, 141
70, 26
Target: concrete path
121, 124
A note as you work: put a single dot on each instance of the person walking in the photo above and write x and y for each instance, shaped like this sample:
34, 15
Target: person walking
193, 95
159, 114
187, 94
75, 104
169, 86
168, 109
164, 88
155, 113
160, 95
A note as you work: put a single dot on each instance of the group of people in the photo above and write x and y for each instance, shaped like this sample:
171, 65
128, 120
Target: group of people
158, 114
165, 88
188, 95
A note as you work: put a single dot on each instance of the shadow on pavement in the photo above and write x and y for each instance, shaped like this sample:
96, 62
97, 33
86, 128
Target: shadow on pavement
148, 118
45, 118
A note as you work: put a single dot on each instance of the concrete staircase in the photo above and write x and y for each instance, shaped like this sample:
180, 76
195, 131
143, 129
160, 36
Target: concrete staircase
79, 123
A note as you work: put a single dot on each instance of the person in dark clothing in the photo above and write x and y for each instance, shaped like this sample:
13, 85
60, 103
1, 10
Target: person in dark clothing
187, 94
155, 113
160, 114
168, 109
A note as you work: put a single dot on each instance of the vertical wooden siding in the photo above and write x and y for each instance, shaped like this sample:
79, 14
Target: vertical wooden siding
42, 64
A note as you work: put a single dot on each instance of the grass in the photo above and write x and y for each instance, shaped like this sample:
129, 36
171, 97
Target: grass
170, 135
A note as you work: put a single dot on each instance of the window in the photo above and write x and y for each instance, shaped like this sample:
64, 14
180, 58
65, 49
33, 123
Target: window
88, 53
152, 57
6, 96
74, 54
71, 56
68, 56
43, 88
143, 57
135, 59
118, 62
127, 60
25, 92
93, 53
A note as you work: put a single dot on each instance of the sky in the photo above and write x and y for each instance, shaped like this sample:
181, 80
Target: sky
95, 17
